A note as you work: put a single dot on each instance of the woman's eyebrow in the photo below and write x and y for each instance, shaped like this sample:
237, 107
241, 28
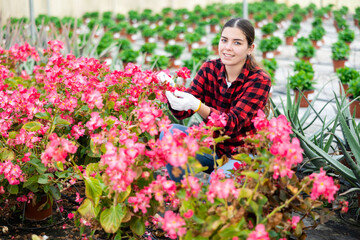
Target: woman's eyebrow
235, 39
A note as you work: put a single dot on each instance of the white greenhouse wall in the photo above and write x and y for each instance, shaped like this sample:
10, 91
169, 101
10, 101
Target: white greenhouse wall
76, 8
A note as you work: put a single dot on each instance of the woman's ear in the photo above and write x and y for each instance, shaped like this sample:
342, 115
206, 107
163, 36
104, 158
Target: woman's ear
251, 48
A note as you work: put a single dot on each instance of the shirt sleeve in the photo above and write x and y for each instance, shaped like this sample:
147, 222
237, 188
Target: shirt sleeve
245, 107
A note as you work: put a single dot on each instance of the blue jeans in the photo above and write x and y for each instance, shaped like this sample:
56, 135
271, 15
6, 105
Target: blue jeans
206, 160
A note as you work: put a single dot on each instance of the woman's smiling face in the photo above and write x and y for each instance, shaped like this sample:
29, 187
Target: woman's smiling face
233, 47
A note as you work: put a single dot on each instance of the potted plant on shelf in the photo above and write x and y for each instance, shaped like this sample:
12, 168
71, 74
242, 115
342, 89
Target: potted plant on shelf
340, 52
202, 54
347, 35
159, 62
258, 17
214, 24
148, 50
192, 40
270, 66
129, 56
354, 96
268, 29
148, 34
268, 46
131, 33
175, 53
134, 16
345, 75
215, 43
304, 49
168, 35
303, 84
316, 35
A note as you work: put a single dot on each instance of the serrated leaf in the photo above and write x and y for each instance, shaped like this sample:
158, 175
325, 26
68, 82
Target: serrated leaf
59, 165
205, 150
123, 195
43, 115
90, 168
110, 218
12, 134
245, 193
31, 181
221, 139
55, 192
32, 126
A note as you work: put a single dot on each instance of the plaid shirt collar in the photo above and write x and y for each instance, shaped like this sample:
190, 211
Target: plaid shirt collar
242, 76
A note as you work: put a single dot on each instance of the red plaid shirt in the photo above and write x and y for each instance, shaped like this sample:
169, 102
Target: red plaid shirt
240, 102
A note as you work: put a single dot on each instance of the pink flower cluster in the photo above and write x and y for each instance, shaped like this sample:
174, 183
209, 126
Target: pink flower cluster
192, 186
147, 113
11, 172
221, 188
259, 234
57, 150
287, 152
121, 160
173, 224
23, 52
162, 190
183, 72
323, 186
217, 120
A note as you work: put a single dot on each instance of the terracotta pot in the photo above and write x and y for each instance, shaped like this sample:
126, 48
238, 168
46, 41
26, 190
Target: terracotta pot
32, 211
289, 40
213, 28
355, 106
303, 102
345, 86
338, 64
306, 59
172, 63
215, 49
314, 43
268, 55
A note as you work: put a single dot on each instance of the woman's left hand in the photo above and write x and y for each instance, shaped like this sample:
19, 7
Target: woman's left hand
183, 101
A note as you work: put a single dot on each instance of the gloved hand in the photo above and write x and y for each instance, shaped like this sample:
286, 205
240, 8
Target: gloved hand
164, 78
183, 101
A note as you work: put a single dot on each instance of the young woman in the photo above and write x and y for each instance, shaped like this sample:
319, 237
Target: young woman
233, 84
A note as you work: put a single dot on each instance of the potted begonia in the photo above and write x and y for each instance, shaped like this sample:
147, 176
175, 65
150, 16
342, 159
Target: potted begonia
290, 33
148, 33
316, 35
347, 35
302, 83
131, 33
214, 23
192, 40
268, 46
175, 53
304, 49
354, 96
345, 75
340, 52
159, 62
268, 29
270, 66
168, 35
148, 50
215, 43
129, 56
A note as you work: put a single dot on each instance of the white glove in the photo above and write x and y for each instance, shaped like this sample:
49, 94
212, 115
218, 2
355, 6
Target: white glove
164, 78
183, 101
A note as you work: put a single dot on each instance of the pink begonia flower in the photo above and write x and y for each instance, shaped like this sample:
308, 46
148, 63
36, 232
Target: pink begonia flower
323, 185
259, 233
219, 188
189, 213
217, 120
2, 190
172, 224
183, 72
294, 221
70, 215
192, 186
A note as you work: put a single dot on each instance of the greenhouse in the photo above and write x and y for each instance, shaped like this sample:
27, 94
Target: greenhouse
166, 119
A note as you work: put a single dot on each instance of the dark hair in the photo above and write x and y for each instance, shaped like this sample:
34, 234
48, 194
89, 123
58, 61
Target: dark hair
247, 28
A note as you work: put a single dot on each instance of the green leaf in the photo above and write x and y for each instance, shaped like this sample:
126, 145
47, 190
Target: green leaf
32, 126
13, 189
40, 167
59, 165
44, 179
93, 189
229, 232
61, 121
152, 96
91, 167
253, 175
55, 192
205, 150
88, 210
137, 225
243, 157
221, 139
6, 154
13, 134
124, 195
245, 193
31, 181
110, 218
43, 115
